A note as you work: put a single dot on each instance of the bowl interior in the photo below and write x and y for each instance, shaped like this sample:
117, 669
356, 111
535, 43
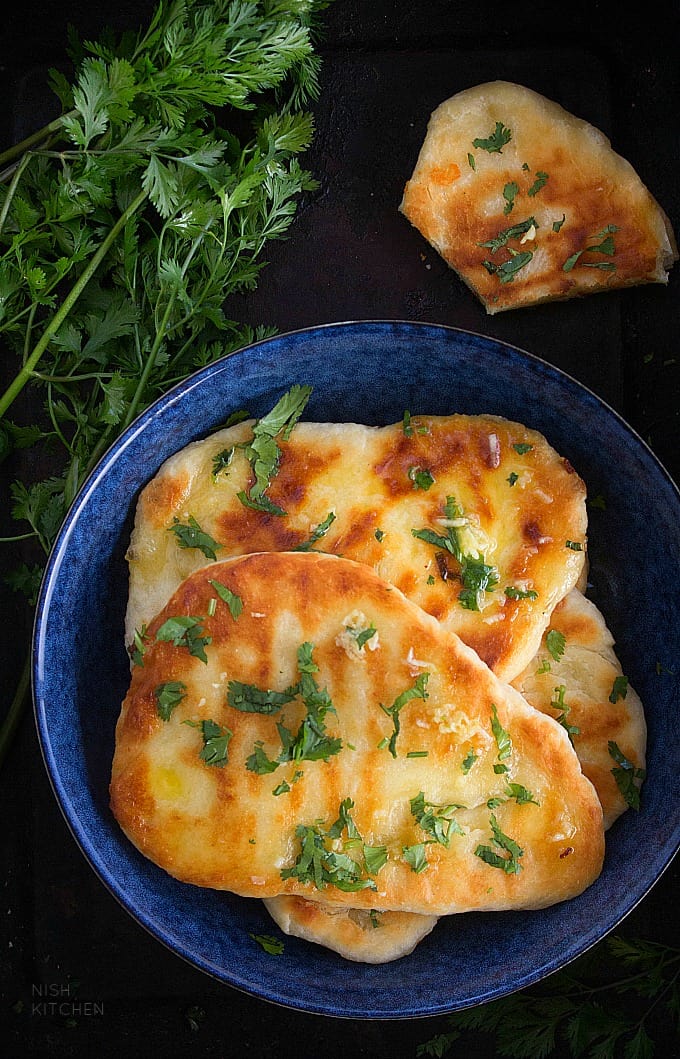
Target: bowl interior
366, 372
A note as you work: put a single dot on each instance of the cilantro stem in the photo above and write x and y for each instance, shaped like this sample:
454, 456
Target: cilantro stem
16, 709
26, 373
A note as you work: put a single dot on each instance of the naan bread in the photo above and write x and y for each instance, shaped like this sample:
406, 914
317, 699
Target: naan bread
525, 824
366, 937
588, 671
515, 194
521, 503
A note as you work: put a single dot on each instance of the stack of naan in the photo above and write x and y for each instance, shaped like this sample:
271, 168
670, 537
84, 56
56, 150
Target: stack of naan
367, 686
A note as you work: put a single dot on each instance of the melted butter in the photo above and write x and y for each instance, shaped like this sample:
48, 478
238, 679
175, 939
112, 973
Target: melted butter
166, 783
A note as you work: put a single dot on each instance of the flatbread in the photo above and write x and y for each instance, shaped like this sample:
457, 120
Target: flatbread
515, 193
365, 937
442, 729
523, 512
588, 671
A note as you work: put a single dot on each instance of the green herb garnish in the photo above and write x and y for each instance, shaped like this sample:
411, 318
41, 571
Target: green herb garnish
510, 863
263, 450
438, 821
168, 696
418, 691
234, 602
556, 641
619, 689
185, 631
494, 143
192, 536
317, 534
476, 575
625, 773
215, 742
520, 593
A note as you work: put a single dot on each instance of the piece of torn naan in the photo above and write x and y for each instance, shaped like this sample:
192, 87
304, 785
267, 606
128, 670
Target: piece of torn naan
400, 498
264, 748
528, 203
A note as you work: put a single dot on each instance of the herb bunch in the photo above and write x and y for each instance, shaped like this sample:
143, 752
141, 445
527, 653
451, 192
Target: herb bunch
128, 220
609, 1004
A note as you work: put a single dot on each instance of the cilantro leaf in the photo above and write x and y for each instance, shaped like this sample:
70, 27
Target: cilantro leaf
496, 141
234, 602
626, 773
192, 536
556, 641
418, 691
619, 688
168, 696
185, 631
510, 864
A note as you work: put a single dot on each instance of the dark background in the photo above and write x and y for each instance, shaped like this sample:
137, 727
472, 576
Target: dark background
350, 255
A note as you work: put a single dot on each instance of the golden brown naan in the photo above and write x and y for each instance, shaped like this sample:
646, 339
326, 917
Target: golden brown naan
366, 937
523, 510
583, 681
516, 194
587, 670
525, 824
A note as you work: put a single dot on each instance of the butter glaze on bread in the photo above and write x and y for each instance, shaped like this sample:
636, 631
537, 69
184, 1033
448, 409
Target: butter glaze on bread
521, 506
223, 827
558, 169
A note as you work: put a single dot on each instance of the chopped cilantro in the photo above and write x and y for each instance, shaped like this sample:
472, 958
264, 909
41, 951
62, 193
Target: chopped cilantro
274, 946
556, 225
522, 447
221, 462
625, 775
501, 735
619, 689
234, 602
168, 696
468, 761
507, 271
421, 477
321, 866
310, 742
476, 575
192, 536
606, 247
438, 821
557, 704
418, 691
520, 794
471, 160
185, 631
575, 546
406, 424
506, 234
215, 742
494, 143
540, 182
556, 641
510, 193
512, 478
379, 535
510, 864
520, 593
263, 450
138, 647
320, 531
415, 857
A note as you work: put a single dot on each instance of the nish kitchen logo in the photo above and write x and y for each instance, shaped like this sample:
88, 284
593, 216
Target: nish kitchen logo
60, 999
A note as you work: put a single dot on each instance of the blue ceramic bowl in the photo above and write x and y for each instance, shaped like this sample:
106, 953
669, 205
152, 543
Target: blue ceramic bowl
366, 372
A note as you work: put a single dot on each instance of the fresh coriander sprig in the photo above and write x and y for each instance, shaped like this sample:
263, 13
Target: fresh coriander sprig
127, 221
616, 1000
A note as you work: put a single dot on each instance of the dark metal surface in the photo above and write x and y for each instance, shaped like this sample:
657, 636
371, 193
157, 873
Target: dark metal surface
350, 255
